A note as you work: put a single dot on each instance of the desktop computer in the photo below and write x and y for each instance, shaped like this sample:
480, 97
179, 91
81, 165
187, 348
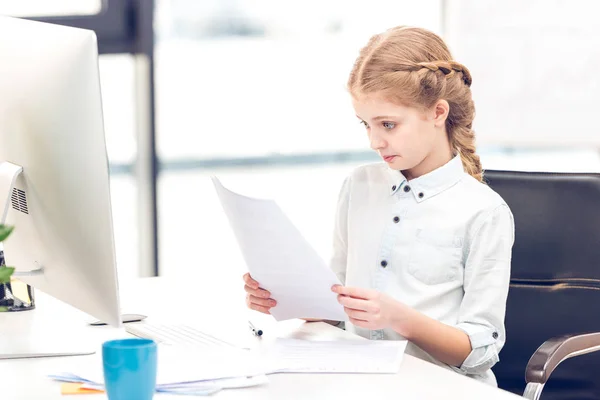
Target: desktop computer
54, 180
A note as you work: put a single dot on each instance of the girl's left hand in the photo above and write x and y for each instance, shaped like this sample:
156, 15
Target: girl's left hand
370, 309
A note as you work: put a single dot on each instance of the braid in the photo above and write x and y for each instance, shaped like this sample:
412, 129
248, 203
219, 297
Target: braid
462, 140
448, 68
460, 120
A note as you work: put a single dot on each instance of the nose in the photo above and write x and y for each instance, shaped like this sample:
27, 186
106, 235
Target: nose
377, 143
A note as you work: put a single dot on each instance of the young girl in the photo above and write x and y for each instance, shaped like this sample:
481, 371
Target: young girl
422, 245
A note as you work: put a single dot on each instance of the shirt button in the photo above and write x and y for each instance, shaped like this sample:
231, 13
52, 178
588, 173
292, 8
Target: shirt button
384, 263
421, 195
495, 335
393, 188
407, 189
396, 219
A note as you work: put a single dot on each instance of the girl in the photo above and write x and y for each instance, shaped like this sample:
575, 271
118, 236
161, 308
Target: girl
422, 245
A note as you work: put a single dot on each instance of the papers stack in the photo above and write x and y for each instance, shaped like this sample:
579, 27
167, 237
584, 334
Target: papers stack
190, 371
197, 388
194, 372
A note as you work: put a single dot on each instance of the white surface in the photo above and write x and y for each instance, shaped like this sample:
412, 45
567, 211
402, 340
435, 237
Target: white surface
280, 259
51, 125
42, 344
417, 379
347, 356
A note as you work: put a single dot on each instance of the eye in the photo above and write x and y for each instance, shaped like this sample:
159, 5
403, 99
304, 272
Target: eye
364, 123
388, 125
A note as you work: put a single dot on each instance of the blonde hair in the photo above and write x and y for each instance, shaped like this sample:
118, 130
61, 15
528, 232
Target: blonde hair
413, 67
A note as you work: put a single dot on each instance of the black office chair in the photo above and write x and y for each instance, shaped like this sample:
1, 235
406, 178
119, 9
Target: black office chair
554, 294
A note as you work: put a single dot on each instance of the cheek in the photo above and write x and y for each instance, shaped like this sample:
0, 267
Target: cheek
421, 136
407, 139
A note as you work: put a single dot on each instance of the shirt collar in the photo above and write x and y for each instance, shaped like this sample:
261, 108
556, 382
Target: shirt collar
430, 184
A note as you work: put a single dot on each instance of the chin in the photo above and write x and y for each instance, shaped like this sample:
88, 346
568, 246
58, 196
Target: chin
400, 164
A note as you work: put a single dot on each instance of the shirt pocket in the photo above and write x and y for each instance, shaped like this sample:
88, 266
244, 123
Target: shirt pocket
435, 256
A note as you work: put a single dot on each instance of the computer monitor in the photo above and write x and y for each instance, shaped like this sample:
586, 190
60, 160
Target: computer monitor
54, 180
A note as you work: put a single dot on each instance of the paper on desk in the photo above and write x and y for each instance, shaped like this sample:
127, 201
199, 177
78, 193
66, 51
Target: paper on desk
193, 388
280, 259
345, 356
180, 367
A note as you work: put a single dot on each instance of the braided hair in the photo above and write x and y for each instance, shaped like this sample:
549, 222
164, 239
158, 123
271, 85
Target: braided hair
413, 66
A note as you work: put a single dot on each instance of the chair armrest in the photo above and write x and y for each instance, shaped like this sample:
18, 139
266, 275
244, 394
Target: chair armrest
554, 351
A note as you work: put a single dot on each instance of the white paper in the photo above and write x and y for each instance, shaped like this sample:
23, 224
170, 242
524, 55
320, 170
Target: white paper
346, 356
187, 365
202, 372
280, 259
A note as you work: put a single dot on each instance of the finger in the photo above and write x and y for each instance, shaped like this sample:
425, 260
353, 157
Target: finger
250, 282
357, 304
257, 292
262, 302
256, 307
356, 292
360, 323
264, 310
356, 314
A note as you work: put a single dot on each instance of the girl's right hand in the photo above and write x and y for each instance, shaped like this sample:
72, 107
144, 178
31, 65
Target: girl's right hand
256, 298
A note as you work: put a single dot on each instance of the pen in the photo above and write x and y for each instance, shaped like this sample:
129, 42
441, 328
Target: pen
257, 332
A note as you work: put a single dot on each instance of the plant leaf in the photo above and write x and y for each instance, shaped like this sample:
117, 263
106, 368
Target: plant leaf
5, 232
5, 273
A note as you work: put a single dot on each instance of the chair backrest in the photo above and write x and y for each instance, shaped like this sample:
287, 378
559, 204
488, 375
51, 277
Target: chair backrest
555, 277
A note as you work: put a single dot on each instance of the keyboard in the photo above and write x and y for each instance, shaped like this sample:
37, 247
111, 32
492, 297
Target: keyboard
175, 335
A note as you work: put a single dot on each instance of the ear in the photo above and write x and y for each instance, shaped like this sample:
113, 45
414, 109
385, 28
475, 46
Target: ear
440, 113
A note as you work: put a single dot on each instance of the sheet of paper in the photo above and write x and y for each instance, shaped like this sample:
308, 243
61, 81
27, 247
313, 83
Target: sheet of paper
346, 356
280, 258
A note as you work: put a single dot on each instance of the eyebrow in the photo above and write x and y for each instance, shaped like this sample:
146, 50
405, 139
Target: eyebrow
380, 117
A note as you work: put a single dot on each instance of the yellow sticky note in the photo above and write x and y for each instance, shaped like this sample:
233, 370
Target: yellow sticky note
76, 388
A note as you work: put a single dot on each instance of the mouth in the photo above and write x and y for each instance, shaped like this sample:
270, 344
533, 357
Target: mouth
388, 158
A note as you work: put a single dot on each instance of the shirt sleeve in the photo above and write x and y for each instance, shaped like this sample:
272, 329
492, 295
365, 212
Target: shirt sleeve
340, 233
486, 283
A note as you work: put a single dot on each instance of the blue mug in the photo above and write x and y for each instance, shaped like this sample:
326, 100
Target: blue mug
130, 369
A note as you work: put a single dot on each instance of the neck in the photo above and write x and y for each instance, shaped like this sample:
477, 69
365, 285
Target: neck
434, 160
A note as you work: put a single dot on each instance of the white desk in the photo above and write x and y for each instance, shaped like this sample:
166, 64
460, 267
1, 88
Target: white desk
26, 379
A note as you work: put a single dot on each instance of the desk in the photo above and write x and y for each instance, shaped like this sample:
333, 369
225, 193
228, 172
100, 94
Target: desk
26, 378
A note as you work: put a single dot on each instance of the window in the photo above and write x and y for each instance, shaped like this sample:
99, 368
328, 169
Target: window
534, 66
254, 92
254, 78
118, 99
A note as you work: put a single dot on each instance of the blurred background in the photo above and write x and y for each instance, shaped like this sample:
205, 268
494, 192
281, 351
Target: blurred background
253, 91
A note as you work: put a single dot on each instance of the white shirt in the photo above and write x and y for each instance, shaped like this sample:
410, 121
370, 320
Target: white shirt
440, 243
